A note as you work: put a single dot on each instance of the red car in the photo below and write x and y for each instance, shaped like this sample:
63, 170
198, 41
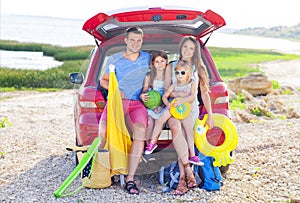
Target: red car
163, 29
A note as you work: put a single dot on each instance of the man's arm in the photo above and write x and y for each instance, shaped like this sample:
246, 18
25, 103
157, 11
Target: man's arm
144, 95
104, 81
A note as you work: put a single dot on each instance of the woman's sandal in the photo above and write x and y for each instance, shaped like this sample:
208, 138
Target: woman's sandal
181, 187
131, 188
191, 181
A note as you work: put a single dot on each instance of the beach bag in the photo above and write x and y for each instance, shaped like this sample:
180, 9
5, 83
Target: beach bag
208, 176
168, 175
96, 174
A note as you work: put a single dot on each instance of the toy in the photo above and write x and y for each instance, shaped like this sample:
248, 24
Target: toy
181, 111
154, 99
221, 152
86, 158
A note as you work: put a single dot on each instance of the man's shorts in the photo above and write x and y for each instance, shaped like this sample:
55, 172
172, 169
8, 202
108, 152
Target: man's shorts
134, 111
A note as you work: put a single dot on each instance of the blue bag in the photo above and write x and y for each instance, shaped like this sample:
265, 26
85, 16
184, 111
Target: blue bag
168, 176
208, 176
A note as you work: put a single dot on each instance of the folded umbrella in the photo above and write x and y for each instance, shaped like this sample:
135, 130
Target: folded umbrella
118, 140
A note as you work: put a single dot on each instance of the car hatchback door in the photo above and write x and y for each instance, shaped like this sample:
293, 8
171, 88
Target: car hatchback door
185, 22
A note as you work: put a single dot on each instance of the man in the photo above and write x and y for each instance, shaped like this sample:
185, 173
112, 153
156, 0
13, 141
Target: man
131, 67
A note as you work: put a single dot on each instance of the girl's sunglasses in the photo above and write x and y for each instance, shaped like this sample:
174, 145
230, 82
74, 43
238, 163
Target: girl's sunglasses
180, 72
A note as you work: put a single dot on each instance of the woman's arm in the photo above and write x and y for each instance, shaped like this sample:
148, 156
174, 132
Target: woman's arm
166, 95
168, 77
207, 104
192, 95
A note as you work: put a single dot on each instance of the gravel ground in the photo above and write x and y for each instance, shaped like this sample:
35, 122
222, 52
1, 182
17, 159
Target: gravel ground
34, 162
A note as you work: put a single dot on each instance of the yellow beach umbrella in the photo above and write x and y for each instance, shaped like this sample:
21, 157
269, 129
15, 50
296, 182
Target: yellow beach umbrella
118, 139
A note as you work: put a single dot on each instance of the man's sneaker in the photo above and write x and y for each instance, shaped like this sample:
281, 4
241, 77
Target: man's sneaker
150, 148
195, 160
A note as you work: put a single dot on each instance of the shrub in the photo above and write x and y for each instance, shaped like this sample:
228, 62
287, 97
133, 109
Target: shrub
4, 122
50, 78
275, 84
238, 103
256, 111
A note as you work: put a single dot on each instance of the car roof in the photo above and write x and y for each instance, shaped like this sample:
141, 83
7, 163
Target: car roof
184, 22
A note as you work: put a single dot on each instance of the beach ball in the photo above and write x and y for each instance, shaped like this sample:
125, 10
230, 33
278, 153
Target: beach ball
154, 100
181, 111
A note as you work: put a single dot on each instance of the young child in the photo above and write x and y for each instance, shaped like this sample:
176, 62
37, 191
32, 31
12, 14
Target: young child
154, 80
183, 83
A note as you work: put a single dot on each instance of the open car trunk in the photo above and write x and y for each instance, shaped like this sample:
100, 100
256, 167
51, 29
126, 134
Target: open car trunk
184, 22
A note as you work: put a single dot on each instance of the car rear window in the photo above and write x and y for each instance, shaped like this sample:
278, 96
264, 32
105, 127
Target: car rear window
168, 42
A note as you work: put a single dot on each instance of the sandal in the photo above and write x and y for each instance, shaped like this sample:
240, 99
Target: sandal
191, 181
181, 187
131, 188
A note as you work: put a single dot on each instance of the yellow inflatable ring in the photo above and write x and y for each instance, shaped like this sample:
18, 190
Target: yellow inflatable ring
181, 111
221, 152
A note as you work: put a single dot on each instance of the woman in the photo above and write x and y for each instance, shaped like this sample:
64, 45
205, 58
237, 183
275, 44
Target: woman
189, 50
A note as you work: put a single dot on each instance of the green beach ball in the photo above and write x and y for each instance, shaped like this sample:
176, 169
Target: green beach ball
154, 99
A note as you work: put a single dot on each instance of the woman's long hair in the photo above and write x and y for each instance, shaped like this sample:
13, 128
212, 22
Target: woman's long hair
196, 60
152, 71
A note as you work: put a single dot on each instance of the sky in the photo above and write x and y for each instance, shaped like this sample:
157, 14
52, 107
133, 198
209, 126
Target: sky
237, 13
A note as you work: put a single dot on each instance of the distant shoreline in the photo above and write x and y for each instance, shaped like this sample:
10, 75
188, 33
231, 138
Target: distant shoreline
281, 32
68, 32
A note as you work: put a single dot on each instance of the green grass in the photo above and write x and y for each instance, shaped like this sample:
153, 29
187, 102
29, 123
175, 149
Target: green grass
13, 89
238, 103
74, 58
4, 122
232, 62
50, 78
57, 52
275, 84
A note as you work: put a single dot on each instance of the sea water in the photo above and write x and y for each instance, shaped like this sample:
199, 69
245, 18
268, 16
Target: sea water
46, 30
27, 60
68, 32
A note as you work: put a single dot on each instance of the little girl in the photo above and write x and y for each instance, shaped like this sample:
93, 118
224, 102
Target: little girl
184, 83
154, 80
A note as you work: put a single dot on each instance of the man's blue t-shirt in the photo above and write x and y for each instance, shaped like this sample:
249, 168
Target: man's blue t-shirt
130, 74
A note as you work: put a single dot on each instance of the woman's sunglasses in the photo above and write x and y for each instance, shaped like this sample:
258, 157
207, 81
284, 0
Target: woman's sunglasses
180, 72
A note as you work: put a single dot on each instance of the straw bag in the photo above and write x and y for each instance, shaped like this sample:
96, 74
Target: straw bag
96, 174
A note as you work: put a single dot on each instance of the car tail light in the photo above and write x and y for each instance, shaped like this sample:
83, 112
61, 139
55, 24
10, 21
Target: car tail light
100, 104
91, 98
221, 100
87, 104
